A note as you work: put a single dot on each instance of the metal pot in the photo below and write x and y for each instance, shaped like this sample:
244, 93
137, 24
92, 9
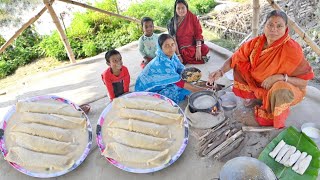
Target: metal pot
241, 168
196, 95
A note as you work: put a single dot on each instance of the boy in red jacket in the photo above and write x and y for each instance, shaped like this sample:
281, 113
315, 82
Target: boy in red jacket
116, 77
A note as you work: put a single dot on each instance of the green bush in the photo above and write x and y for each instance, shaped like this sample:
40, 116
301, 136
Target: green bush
24, 50
91, 32
53, 47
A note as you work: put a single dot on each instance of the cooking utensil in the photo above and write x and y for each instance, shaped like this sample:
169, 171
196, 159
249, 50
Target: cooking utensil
198, 94
312, 130
240, 168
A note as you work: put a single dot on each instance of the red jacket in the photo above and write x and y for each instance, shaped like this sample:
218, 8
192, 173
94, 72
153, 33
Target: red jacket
110, 80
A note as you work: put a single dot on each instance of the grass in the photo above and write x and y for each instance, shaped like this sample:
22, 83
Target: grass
39, 65
216, 39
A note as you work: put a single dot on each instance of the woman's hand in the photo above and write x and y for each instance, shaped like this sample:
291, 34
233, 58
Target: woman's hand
268, 82
198, 53
215, 75
180, 58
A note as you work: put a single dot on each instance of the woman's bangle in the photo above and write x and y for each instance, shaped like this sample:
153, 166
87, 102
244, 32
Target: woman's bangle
178, 55
285, 77
198, 45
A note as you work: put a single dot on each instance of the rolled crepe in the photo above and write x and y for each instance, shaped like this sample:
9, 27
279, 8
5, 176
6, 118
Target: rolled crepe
138, 140
276, 150
40, 144
124, 153
304, 164
296, 165
145, 104
48, 108
25, 157
285, 159
151, 116
282, 152
44, 131
67, 122
293, 158
141, 127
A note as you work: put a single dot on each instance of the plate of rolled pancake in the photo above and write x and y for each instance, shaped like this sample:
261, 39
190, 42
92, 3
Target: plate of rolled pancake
45, 136
142, 132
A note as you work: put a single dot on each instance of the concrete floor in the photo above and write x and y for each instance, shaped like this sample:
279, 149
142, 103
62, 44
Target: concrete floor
81, 83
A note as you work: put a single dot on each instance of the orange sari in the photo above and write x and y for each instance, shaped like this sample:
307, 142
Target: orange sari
252, 65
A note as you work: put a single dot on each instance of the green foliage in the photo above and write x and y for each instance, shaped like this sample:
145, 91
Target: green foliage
201, 6
53, 47
91, 32
23, 51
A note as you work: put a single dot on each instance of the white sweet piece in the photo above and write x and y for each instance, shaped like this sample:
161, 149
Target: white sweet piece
286, 157
276, 150
304, 164
282, 152
293, 158
296, 165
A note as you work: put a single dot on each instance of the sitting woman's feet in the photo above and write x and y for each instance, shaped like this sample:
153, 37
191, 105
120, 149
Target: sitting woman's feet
205, 58
251, 102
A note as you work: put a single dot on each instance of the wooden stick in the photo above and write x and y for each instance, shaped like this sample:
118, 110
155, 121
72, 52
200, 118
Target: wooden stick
109, 13
257, 129
63, 36
225, 143
24, 26
234, 145
298, 30
255, 17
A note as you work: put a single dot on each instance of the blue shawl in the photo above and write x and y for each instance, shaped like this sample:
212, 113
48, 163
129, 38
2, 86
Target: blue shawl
160, 76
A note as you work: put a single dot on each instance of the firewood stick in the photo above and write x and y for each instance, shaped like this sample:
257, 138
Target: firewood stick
257, 129
234, 145
225, 143
210, 138
213, 130
214, 144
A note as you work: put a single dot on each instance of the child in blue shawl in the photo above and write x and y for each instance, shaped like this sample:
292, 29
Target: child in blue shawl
163, 74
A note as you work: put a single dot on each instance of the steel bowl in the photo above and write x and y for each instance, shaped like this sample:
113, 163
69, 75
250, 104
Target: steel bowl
240, 168
312, 130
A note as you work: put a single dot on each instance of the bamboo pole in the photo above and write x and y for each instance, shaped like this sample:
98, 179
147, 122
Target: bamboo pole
109, 13
298, 30
24, 26
63, 36
255, 17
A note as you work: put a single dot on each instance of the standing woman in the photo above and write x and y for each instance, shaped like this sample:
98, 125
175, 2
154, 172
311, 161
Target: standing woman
270, 68
187, 32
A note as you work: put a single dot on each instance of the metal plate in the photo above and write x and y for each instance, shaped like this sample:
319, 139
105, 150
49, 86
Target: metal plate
4, 149
184, 142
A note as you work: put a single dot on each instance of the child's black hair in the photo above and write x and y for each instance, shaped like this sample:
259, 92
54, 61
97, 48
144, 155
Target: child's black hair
111, 53
146, 19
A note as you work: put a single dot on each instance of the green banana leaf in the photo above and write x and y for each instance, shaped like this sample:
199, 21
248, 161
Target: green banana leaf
303, 143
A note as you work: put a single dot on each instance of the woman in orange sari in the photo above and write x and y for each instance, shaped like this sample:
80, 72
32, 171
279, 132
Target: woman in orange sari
270, 68
187, 32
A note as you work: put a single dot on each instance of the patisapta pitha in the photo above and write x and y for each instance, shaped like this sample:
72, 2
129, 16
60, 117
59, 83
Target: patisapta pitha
25, 157
141, 127
67, 122
44, 131
48, 108
138, 140
41, 144
124, 153
151, 116
145, 104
